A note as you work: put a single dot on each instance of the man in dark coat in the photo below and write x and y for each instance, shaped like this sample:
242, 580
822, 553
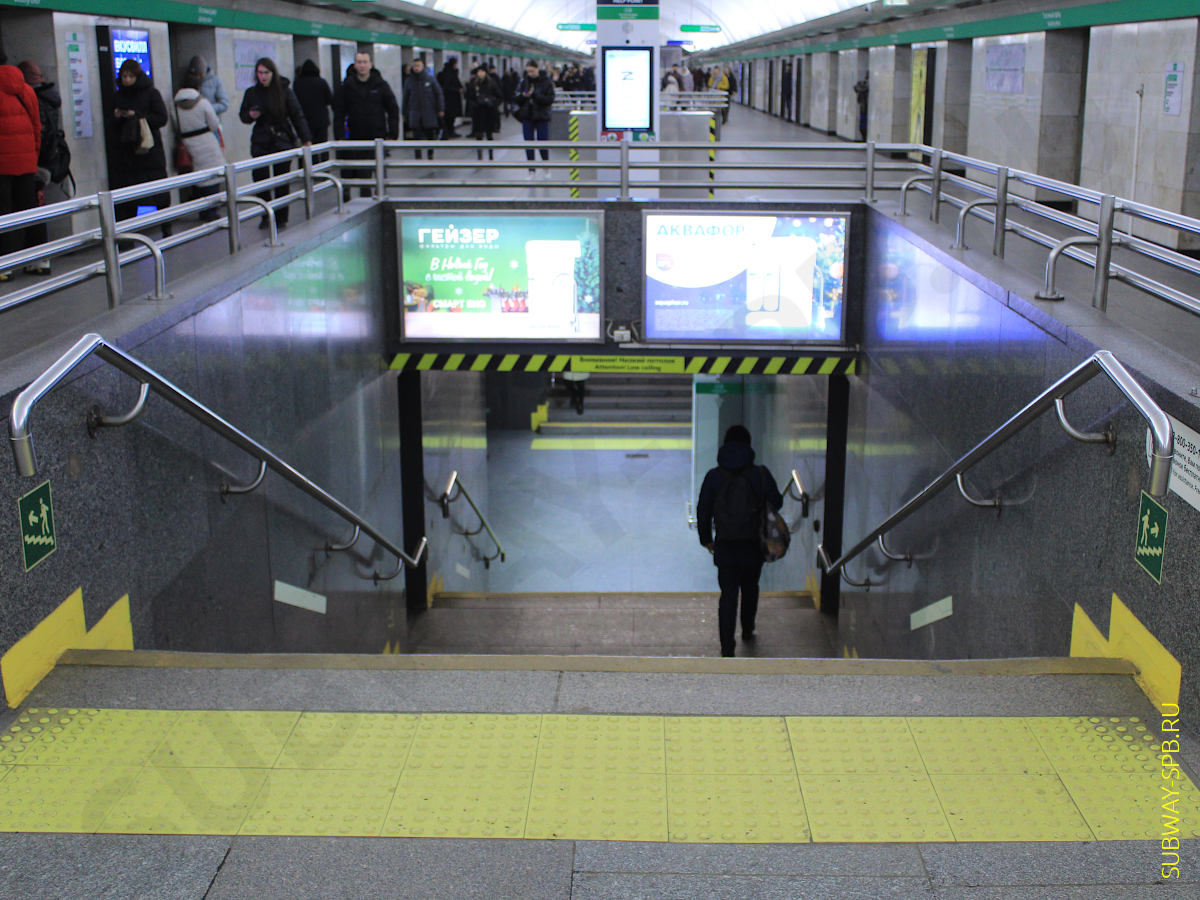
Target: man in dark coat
364, 108
424, 105
739, 559
535, 97
315, 98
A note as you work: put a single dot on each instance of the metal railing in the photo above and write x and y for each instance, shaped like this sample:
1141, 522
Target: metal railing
21, 437
1101, 362
585, 101
984, 190
455, 489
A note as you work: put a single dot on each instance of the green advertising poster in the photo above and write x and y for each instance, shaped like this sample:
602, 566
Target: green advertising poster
500, 276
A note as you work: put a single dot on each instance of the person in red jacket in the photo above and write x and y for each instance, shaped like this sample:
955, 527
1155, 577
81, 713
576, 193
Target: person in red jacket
20, 144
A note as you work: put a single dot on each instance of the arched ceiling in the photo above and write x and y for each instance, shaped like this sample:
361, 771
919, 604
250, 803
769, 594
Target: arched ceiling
739, 20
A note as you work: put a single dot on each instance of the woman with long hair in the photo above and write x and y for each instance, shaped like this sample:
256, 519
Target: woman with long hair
279, 124
136, 101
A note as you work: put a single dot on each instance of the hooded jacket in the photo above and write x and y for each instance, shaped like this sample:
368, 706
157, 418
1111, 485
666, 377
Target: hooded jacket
733, 457
315, 98
365, 110
209, 85
198, 128
20, 124
147, 103
535, 107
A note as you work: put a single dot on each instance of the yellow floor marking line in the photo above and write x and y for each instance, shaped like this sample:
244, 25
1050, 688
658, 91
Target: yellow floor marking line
686, 779
1158, 672
32, 658
610, 443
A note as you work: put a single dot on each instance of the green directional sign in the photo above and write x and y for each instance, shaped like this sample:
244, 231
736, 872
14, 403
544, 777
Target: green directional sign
576, 26
1151, 537
37, 525
705, 29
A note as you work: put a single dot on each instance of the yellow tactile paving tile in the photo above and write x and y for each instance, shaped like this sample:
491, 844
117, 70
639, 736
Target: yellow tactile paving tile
61, 798
236, 739
1136, 807
874, 808
734, 745
1097, 744
372, 742
448, 805
602, 744
735, 809
323, 802
595, 806
985, 807
588, 777
971, 744
176, 800
64, 737
474, 743
853, 745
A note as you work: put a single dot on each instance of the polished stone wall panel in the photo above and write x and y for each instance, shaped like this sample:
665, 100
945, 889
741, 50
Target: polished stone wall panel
1066, 534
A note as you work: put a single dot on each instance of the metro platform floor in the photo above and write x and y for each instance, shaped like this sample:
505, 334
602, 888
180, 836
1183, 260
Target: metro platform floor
208, 776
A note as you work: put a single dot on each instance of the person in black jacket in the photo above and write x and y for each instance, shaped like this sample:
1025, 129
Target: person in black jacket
364, 108
135, 101
739, 559
279, 124
535, 96
483, 103
452, 92
315, 98
424, 106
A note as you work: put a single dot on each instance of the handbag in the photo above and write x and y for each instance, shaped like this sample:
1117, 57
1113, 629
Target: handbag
145, 137
183, 157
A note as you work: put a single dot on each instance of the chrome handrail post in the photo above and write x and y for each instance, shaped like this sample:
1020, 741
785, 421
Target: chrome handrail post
160, 264
1104, 233
624, 150
1001, 231
306, 164
234, 224
1049, 291
380, 169
870, 174
935, 209
108, 243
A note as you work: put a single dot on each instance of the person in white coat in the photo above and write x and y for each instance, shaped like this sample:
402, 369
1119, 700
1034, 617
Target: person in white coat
200, 131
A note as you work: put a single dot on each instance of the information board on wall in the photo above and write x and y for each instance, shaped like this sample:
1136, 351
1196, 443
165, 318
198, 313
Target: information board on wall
246, 54
80, 85
501, 276
629, 89
744, 278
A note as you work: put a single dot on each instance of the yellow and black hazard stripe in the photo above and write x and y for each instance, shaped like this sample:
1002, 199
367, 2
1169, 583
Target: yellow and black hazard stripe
648, 364
573, 153
712, 155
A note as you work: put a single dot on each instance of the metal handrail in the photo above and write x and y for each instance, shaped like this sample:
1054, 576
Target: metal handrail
1102, 361
800, 493
22, 439
454, 489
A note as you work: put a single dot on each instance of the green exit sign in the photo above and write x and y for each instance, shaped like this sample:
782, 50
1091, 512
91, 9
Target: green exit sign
576, 26
707, 29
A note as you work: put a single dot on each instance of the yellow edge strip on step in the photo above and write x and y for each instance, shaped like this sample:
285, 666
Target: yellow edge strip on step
667, 778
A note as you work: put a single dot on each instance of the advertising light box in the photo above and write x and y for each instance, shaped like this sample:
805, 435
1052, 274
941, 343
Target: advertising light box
501, 276
745, 277
130, 43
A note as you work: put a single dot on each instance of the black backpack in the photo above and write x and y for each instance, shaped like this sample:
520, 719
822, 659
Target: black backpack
56, 155
738, 507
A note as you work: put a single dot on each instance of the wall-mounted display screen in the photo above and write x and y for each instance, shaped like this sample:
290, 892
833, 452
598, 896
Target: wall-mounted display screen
745, 277
628, 74
501, 276
130, 43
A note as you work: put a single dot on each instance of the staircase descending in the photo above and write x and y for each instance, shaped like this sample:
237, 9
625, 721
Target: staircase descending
613, 624
624, 406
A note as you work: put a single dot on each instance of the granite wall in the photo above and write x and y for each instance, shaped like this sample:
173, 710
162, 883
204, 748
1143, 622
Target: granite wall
853, 66
293, 359
950, 356
951, 95
1159, 60
823, 94
888, 104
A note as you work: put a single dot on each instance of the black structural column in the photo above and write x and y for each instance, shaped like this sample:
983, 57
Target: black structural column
836, 436
412, 483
